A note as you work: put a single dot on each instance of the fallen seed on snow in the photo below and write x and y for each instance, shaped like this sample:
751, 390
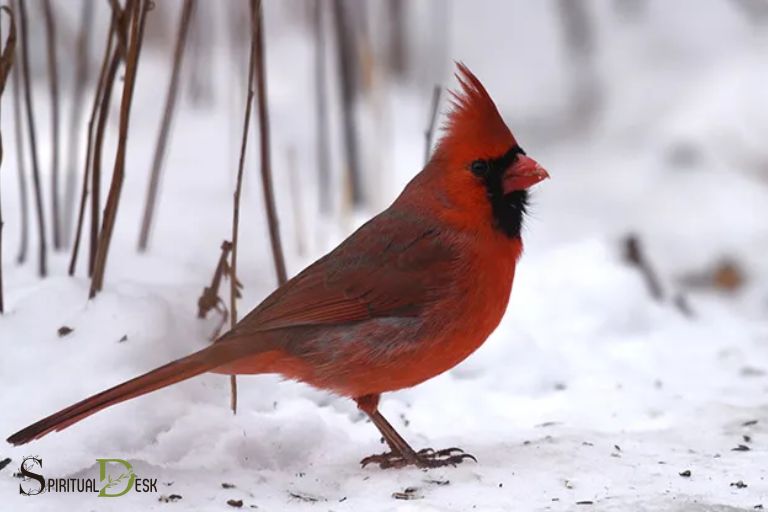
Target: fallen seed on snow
64, 330
409, 493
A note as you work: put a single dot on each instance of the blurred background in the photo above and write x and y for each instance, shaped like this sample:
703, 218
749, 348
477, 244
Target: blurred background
650, 116
640, 303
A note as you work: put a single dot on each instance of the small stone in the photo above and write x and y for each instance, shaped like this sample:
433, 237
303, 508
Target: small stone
64, 331
409, 493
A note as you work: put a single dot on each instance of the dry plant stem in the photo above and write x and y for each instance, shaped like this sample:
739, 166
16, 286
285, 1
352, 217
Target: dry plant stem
345, 46
2, 303
98, 146
430, 131
397, 37
264, 147
100, 84
210, 299
120, 21
296, 201
3, 74
162, 138
18, 129
122, 32
53, 75
78, 103
138, 14
199, 79
43, 250
634, 255
321, 114
255, 7
6, 63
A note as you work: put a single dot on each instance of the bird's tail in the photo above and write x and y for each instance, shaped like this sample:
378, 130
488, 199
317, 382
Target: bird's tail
171, 373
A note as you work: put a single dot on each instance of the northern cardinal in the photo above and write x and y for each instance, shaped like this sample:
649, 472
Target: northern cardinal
409, 295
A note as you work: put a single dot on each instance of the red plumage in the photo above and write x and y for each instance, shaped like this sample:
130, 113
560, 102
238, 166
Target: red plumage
406, 297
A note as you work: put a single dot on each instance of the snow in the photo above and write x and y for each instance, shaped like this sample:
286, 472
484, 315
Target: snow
589, 396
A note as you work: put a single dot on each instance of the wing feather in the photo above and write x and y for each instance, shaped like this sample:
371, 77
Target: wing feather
394, 265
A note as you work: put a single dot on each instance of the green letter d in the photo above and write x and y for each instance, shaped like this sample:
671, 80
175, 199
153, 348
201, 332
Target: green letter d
113, 482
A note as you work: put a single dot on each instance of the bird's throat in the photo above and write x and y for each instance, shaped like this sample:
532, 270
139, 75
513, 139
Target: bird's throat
508, 212
508, 209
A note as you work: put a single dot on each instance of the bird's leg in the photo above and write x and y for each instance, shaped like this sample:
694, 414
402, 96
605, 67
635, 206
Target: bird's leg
401, 453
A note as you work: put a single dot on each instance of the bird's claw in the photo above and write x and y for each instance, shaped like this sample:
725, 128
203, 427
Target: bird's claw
425, 458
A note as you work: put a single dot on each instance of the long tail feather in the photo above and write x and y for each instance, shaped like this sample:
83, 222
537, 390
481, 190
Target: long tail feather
171, 373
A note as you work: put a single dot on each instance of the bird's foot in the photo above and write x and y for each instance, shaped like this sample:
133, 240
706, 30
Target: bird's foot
426, 458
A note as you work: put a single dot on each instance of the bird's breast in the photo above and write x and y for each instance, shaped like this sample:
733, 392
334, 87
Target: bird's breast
450, 329
475, 306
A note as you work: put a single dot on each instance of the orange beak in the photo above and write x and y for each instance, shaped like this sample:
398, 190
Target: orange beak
523, 174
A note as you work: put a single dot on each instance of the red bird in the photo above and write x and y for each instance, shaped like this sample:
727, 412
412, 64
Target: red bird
409, 295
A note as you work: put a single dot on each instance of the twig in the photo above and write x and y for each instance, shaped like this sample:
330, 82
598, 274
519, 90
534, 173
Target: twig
210, 298
6, 63
344, 47
138, 10
100, 85
98, 146
296, 201
199, 79
50, 37
120, 23
122, 33
264, 147
429, 132
635, 256
682, 305
397, 38
78, 101
23, 29
162, 138
255, 7
18, 130
321, 114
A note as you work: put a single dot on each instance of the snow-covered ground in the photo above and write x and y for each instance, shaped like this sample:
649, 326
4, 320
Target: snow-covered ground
589, 396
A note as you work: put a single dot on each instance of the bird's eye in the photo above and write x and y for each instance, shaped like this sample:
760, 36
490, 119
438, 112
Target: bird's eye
479, 167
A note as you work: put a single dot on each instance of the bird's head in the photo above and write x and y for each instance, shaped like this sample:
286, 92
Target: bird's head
479, 162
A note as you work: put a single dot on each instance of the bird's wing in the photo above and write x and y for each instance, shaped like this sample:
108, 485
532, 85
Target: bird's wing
391, 267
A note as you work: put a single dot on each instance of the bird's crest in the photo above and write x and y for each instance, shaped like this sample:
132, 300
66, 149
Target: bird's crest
474, 121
